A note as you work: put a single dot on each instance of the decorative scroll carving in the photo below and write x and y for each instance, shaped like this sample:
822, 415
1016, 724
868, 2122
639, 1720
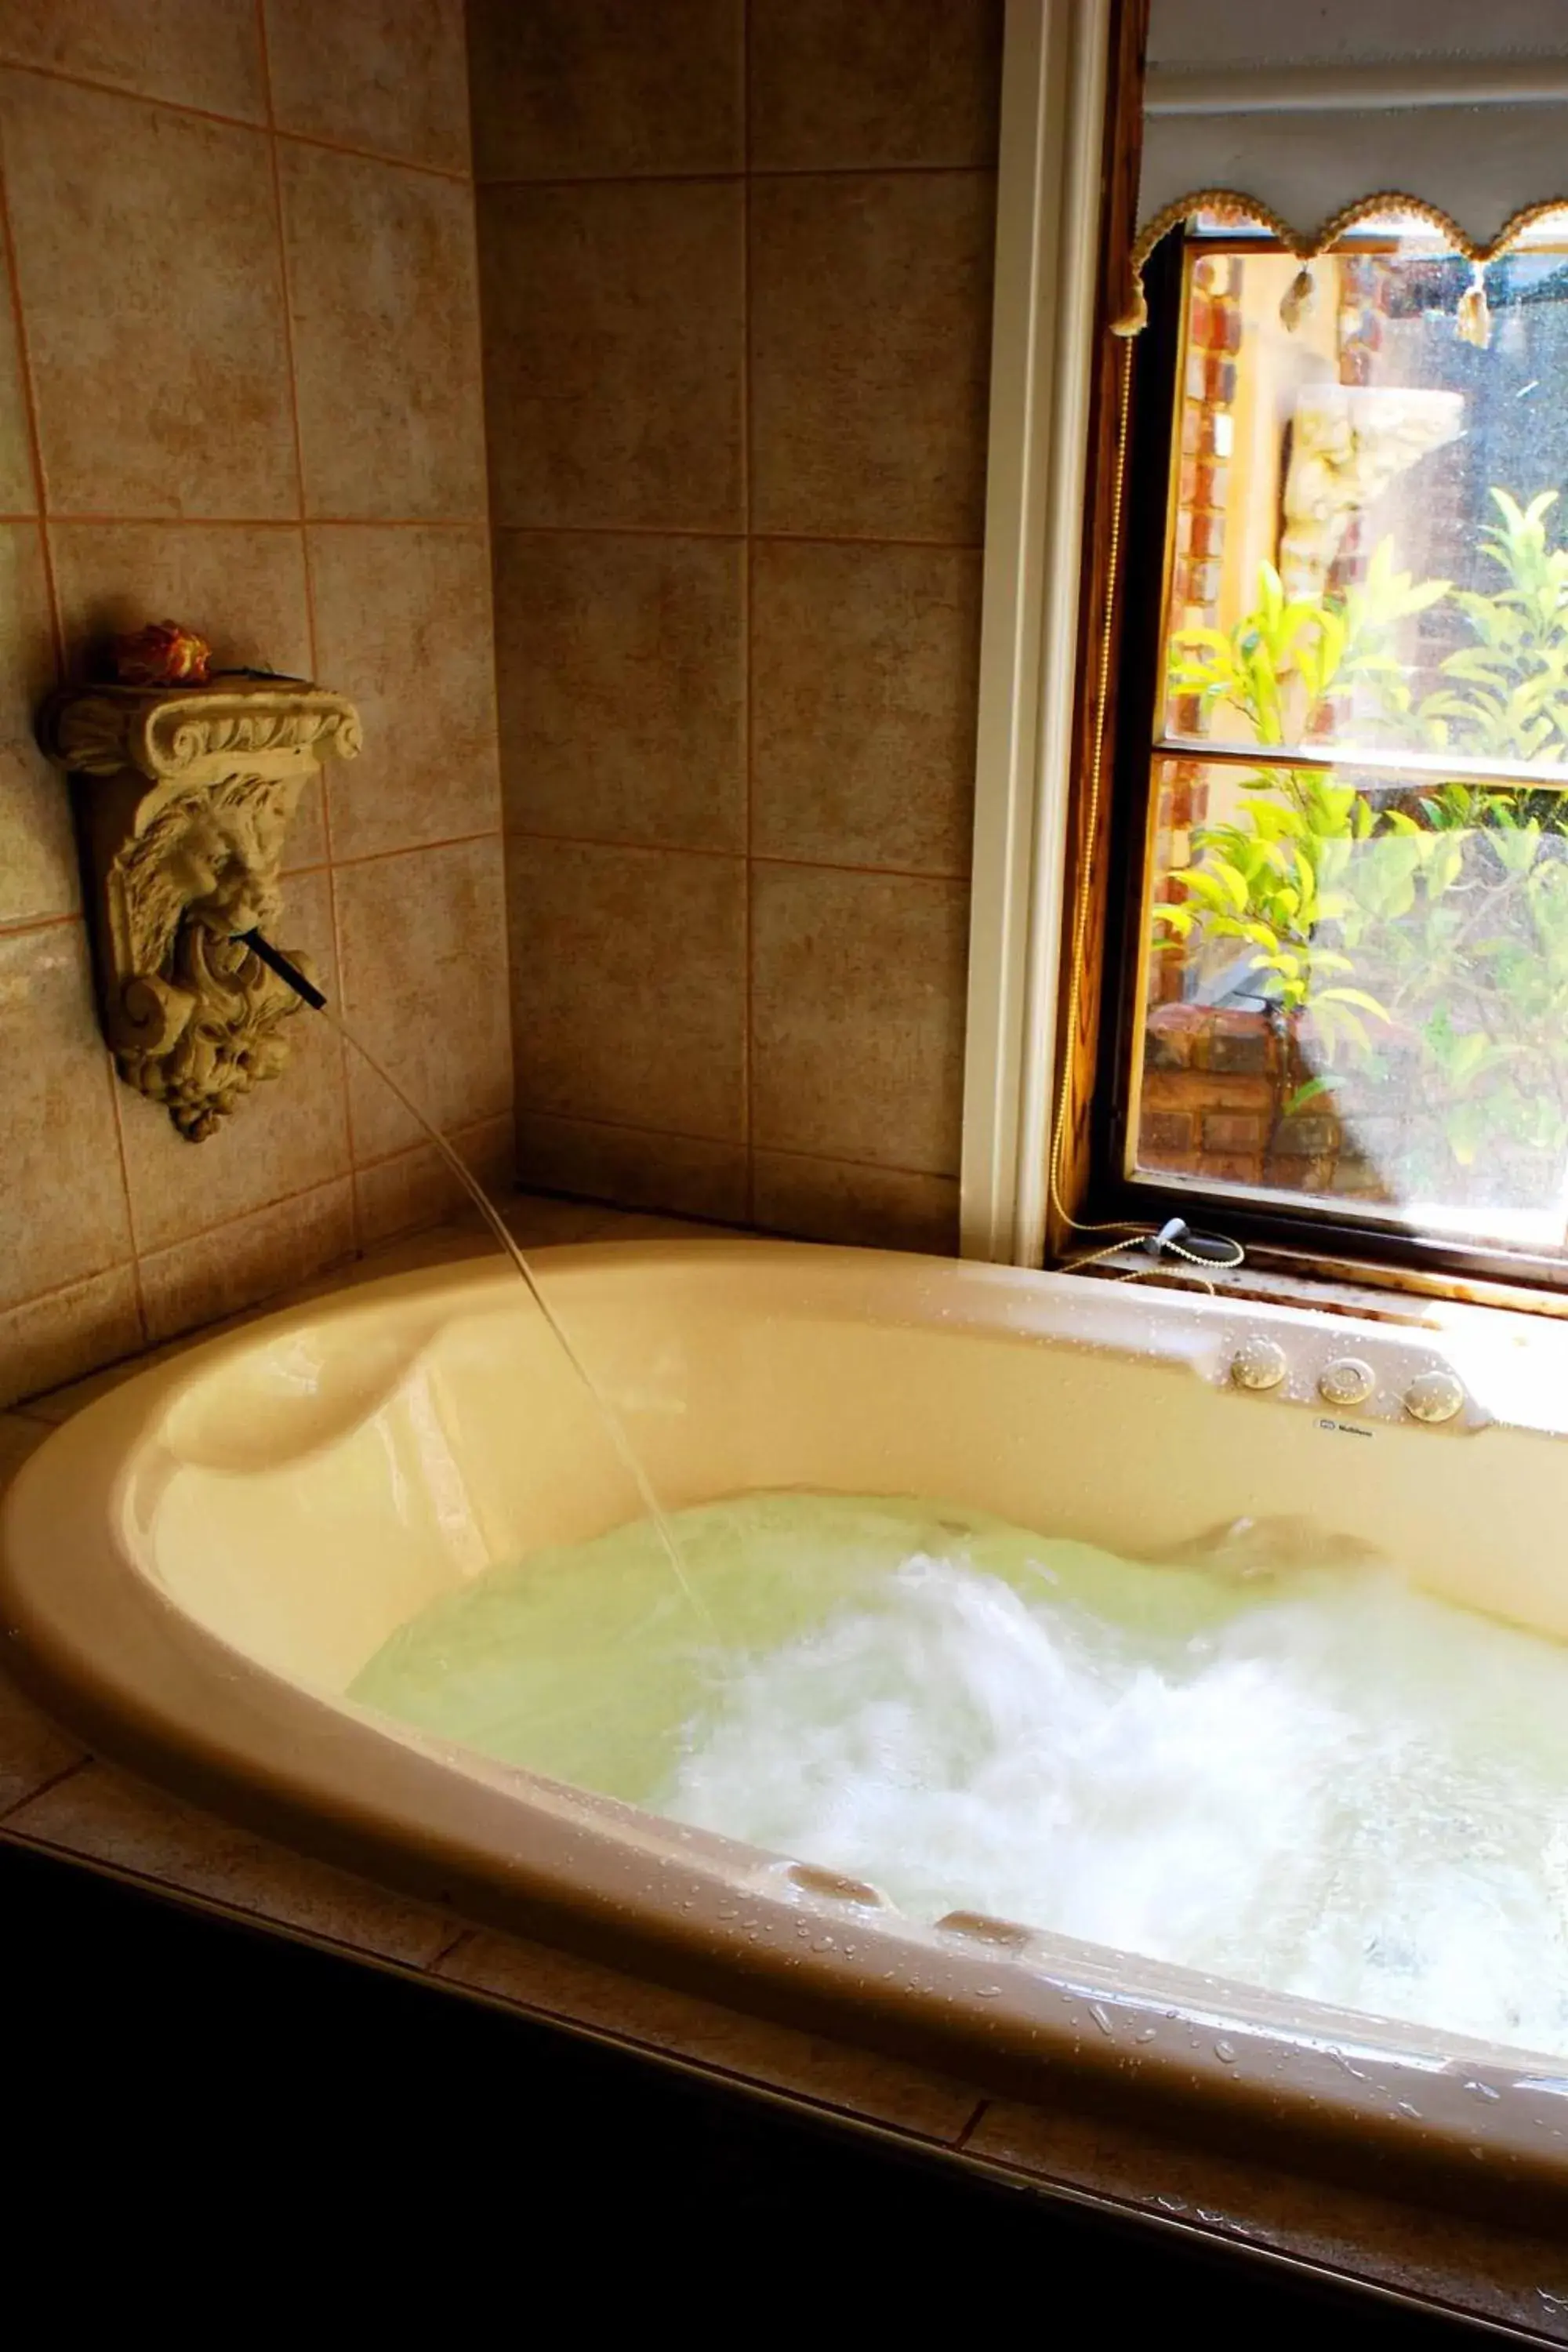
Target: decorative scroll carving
183, 798
1349, 443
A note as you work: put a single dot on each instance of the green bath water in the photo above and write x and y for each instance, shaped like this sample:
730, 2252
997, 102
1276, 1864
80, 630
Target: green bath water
1309, 1776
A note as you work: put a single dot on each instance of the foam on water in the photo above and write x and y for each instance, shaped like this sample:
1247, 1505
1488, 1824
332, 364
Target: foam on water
1312, 1779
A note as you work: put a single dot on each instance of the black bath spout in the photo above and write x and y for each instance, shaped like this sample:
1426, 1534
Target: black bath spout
277, 961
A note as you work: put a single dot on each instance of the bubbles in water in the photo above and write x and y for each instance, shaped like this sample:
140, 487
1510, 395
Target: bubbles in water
1305, 1777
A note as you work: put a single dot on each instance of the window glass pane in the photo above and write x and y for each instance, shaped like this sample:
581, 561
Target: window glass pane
1369, 542
1354, 938
1356, 995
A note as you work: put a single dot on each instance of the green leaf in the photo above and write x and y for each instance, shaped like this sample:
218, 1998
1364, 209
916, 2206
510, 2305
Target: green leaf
1356, 996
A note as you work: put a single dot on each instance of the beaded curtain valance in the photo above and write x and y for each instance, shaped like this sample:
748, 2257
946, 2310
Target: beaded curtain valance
1306, 116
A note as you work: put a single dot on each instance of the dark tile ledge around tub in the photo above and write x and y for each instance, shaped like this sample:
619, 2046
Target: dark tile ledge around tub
57, 1798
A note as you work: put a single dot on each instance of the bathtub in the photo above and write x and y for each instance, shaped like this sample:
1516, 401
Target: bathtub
194, 1570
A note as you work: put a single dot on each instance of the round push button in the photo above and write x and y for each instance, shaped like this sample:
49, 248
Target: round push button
1346, 1382
1434, 1396
1258, 1364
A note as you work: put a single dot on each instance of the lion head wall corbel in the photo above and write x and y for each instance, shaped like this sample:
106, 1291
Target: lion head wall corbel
183, 799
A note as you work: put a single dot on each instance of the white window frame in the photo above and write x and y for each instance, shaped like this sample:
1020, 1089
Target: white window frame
1054, 76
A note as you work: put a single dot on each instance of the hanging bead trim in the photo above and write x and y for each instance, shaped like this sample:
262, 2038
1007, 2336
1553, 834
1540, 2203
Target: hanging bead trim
1474, 321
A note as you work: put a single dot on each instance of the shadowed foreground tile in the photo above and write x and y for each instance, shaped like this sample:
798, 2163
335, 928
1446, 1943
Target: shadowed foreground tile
105, 1816
556, 1984
1491, 2272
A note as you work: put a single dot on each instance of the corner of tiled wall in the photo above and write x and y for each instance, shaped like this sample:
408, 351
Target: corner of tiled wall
240, 382
735, 266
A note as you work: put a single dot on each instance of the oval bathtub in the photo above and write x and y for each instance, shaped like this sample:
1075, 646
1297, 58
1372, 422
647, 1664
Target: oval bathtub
196, 1569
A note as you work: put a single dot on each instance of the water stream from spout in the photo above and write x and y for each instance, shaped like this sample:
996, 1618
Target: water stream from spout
614, 1427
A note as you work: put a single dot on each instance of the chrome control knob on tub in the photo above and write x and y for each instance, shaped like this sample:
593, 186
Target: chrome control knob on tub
1258, 1364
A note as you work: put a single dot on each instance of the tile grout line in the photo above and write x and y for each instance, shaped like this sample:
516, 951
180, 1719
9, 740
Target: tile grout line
748, 639
291, 361
54, 1780
972, 2126
235, 121
23, 924
220, 1224
695, 531
30, 411
703, 849
62, 1290
258, 522
509, 973
729, 1143
429, 1966
86, 519
549, 185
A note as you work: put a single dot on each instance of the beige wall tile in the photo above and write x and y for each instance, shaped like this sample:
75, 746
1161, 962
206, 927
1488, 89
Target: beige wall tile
209, 1275
418, 1188
288, 1136
865, 674
857, 985
632, 1167
858, 2081
882, 83
33, 1750
621, 667
18, 485
62, 1205
60, 1337
381, 269
147, 252
241, 586
307, 844
628, 985
604, 89
870, 354
870, 1208
205, 52
389, 74
55, 1406
106, 1816
421, 939
533, 1222
37, 848
538, 1223
613, 339
403, 625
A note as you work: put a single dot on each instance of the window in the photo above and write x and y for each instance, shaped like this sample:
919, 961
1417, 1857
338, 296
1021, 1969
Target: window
1342, 760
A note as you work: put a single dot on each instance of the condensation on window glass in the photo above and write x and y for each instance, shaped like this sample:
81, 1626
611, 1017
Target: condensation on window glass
1356, 916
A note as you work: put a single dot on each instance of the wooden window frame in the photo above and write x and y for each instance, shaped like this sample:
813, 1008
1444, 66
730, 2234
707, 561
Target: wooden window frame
1272, 1232
1071, 112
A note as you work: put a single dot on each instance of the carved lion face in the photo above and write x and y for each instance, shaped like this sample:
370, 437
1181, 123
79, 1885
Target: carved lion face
220, 865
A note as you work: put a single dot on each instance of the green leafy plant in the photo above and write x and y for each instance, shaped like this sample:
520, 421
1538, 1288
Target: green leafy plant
1506, 696
1412, 939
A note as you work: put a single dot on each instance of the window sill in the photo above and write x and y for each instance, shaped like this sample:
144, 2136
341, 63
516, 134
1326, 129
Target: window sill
1432, 1302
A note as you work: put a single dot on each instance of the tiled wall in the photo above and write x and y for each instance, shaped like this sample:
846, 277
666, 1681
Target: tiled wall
239, 383
735, 267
